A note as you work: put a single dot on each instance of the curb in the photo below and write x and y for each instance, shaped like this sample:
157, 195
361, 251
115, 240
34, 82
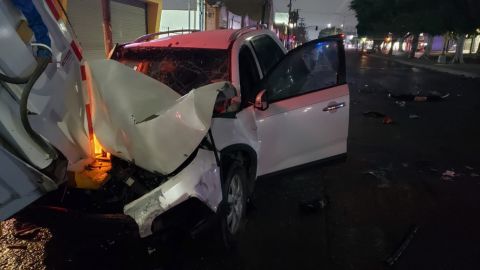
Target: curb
430, 67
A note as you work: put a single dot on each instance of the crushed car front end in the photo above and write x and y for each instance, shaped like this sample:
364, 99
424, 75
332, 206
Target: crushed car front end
163, 154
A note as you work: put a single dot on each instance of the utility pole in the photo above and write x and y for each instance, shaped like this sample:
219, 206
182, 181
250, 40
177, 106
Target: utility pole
202, 12
107, 27
189, 9
195, 15
266, 7
288, 25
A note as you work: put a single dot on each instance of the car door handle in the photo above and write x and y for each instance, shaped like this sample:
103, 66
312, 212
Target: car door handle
334, 107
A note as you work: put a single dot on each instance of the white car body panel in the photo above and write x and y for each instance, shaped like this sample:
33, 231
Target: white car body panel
297, 131
142, 120
239, 130
244, 41
200, 179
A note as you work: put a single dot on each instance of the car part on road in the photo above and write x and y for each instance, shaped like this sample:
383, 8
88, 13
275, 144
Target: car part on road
312, 206
413, 116
406, 242
382, 176
387, 120
25, 230
17, 246
448, 175
433, 96
400, 103
373, 114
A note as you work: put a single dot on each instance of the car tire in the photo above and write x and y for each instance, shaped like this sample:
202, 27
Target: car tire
233, 206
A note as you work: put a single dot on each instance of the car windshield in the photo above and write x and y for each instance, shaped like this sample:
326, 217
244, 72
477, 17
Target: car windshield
182, 69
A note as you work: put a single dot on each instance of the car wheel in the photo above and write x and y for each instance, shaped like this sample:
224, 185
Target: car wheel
234, 204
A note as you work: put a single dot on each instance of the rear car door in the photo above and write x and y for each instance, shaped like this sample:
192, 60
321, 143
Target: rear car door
308, 107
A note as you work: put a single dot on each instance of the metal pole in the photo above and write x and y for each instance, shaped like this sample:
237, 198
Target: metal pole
107, 27
202, 15
264, 7
195, 15
189, 14
288, 24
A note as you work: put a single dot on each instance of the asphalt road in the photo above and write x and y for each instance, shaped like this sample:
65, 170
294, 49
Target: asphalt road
367, 218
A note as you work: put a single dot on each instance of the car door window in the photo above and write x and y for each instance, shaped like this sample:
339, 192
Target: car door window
268, 52
312, 67
249, 75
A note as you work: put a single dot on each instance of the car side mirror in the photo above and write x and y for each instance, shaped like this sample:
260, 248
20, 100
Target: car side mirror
261, 102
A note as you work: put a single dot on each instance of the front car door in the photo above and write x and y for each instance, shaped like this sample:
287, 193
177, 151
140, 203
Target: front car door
308, 107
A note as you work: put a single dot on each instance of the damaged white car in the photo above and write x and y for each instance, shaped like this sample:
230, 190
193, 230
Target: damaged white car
169, 131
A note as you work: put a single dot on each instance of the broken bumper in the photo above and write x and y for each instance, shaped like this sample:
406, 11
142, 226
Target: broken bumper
199, 180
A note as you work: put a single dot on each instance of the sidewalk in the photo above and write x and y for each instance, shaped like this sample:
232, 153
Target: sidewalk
467, 70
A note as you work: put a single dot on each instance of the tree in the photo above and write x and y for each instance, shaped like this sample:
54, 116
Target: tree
462, 25
412, 17
381, 18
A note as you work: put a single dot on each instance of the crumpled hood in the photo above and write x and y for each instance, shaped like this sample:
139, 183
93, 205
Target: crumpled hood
142, 120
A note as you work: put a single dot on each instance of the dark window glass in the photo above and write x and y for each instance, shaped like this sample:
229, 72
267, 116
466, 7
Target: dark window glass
179, 68
268, 52
249, 76
310, 68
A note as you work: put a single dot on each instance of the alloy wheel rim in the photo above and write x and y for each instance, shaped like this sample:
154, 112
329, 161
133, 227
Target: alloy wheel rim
235, 204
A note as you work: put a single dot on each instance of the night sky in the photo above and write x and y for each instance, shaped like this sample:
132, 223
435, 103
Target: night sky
321, 12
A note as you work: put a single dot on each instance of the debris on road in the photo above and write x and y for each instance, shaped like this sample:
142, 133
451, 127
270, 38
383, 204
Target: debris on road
406, 242
381, 175
19, 246
18, 253
151, 250
387, 120
433, 96
448, 175
474, 175
401, 103
413, 116
468, 168
25, 230
312, 206
373, 114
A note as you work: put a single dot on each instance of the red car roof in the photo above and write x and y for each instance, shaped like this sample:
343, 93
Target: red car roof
216, 39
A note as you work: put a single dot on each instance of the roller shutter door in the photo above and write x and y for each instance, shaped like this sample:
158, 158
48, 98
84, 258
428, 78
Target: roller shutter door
127, 19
